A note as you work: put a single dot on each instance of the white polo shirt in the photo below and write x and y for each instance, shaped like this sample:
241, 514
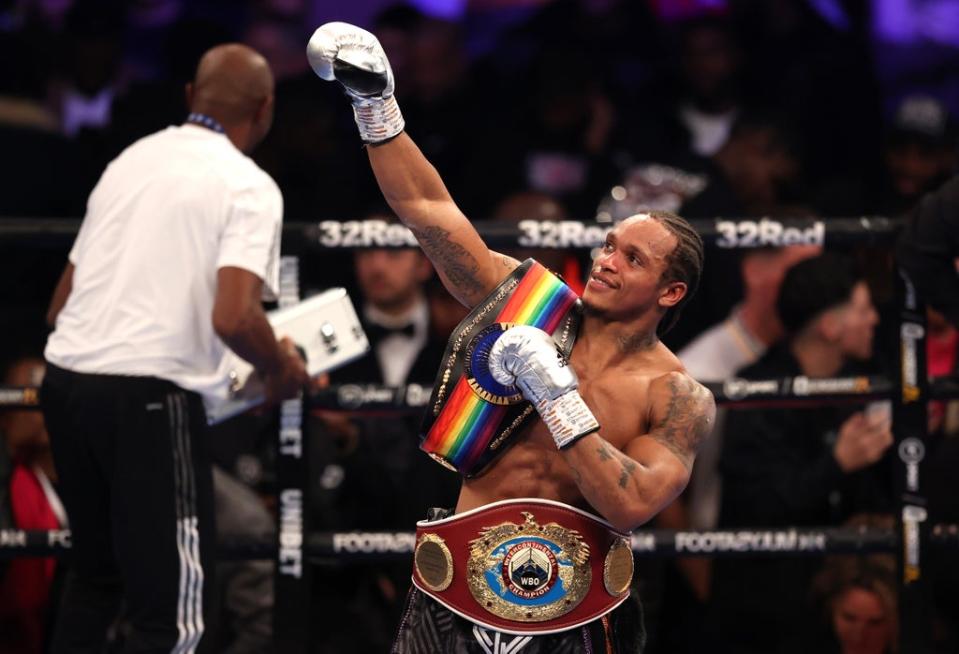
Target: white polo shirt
171, 210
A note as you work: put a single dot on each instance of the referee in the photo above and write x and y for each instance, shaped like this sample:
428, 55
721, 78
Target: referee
179, 244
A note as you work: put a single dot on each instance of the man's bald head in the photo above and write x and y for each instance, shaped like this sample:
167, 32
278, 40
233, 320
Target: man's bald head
234, 85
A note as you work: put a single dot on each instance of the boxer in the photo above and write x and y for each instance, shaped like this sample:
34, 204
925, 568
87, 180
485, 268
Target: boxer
571, 422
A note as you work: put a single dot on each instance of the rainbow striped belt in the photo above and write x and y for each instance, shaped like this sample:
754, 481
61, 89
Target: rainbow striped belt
471, 417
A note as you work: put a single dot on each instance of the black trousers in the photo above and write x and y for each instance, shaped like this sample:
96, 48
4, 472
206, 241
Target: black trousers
136, 483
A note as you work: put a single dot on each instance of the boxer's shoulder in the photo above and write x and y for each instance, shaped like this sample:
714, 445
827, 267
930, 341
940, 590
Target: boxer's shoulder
682, 412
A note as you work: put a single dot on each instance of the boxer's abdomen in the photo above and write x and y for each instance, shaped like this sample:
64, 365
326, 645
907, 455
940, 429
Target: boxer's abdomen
533, 467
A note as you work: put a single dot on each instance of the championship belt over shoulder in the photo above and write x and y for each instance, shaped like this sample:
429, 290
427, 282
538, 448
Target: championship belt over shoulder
471, 418
525, 566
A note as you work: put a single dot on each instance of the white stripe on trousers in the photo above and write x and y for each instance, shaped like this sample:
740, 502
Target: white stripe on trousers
189, 612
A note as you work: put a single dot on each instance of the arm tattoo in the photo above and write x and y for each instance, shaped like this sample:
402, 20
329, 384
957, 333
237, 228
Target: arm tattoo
688, 418
451, 258
604, 453
628, 467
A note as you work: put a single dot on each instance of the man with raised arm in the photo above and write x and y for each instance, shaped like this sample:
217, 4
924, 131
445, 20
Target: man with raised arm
524, 564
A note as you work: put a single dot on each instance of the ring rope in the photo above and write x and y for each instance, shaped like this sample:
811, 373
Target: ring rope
371, 546
724, 233
734, 392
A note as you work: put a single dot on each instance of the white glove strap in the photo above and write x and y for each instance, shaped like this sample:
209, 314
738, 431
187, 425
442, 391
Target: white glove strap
568, 418
378, 119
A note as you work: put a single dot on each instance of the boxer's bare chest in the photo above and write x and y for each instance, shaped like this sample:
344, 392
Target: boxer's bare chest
533, 467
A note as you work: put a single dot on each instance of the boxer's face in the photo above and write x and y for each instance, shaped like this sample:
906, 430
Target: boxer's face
627, 277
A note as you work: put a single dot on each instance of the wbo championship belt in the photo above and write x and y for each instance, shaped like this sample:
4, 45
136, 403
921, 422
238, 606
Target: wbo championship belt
524, 566
471, 417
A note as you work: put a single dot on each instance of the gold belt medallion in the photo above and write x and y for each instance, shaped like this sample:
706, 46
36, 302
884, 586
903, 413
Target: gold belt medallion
618, 567
433, 562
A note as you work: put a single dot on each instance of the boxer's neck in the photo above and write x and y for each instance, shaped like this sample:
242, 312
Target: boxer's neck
612, 342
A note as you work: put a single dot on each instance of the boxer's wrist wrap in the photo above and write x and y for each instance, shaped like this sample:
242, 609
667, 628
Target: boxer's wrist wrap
568, 418
379, 119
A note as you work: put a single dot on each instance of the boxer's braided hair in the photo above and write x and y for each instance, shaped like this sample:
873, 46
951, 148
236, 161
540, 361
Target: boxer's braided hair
684, 263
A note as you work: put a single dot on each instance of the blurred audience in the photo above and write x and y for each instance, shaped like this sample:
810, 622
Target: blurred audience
751, 328
553, 136
703, 96
84, 91
795, 467
370, 473
918, 155
549, 110
714, 356
756, 172
920, 152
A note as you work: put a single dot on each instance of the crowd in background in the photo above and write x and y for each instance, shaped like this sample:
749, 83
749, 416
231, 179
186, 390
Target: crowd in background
530, 110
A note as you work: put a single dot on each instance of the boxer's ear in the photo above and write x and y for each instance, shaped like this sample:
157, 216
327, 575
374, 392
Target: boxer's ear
671, 294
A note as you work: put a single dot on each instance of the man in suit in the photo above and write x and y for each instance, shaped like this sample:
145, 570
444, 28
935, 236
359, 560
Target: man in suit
396, 317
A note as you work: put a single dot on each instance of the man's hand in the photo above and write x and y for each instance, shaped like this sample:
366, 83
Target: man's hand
289, 377
862, 441
354, 57
528, 358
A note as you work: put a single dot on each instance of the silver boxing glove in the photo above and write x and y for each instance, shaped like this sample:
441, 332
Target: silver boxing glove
528, 358
354, 57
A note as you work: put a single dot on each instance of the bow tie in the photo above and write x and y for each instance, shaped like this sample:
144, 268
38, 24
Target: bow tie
376, 333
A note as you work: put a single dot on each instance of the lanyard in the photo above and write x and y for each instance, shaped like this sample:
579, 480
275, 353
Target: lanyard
206, 121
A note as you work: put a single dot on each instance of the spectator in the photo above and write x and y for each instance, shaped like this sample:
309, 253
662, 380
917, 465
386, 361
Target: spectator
753, 325
855, 598
84, 94
918, 156
920, 152
29, 501
703, 107
928, 249
395, 316
798, 467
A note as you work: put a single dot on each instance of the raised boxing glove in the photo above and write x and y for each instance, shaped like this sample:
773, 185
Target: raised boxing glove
528, 358
354, 57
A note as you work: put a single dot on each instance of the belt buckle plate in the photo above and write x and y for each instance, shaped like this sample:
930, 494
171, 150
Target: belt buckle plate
529, 572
